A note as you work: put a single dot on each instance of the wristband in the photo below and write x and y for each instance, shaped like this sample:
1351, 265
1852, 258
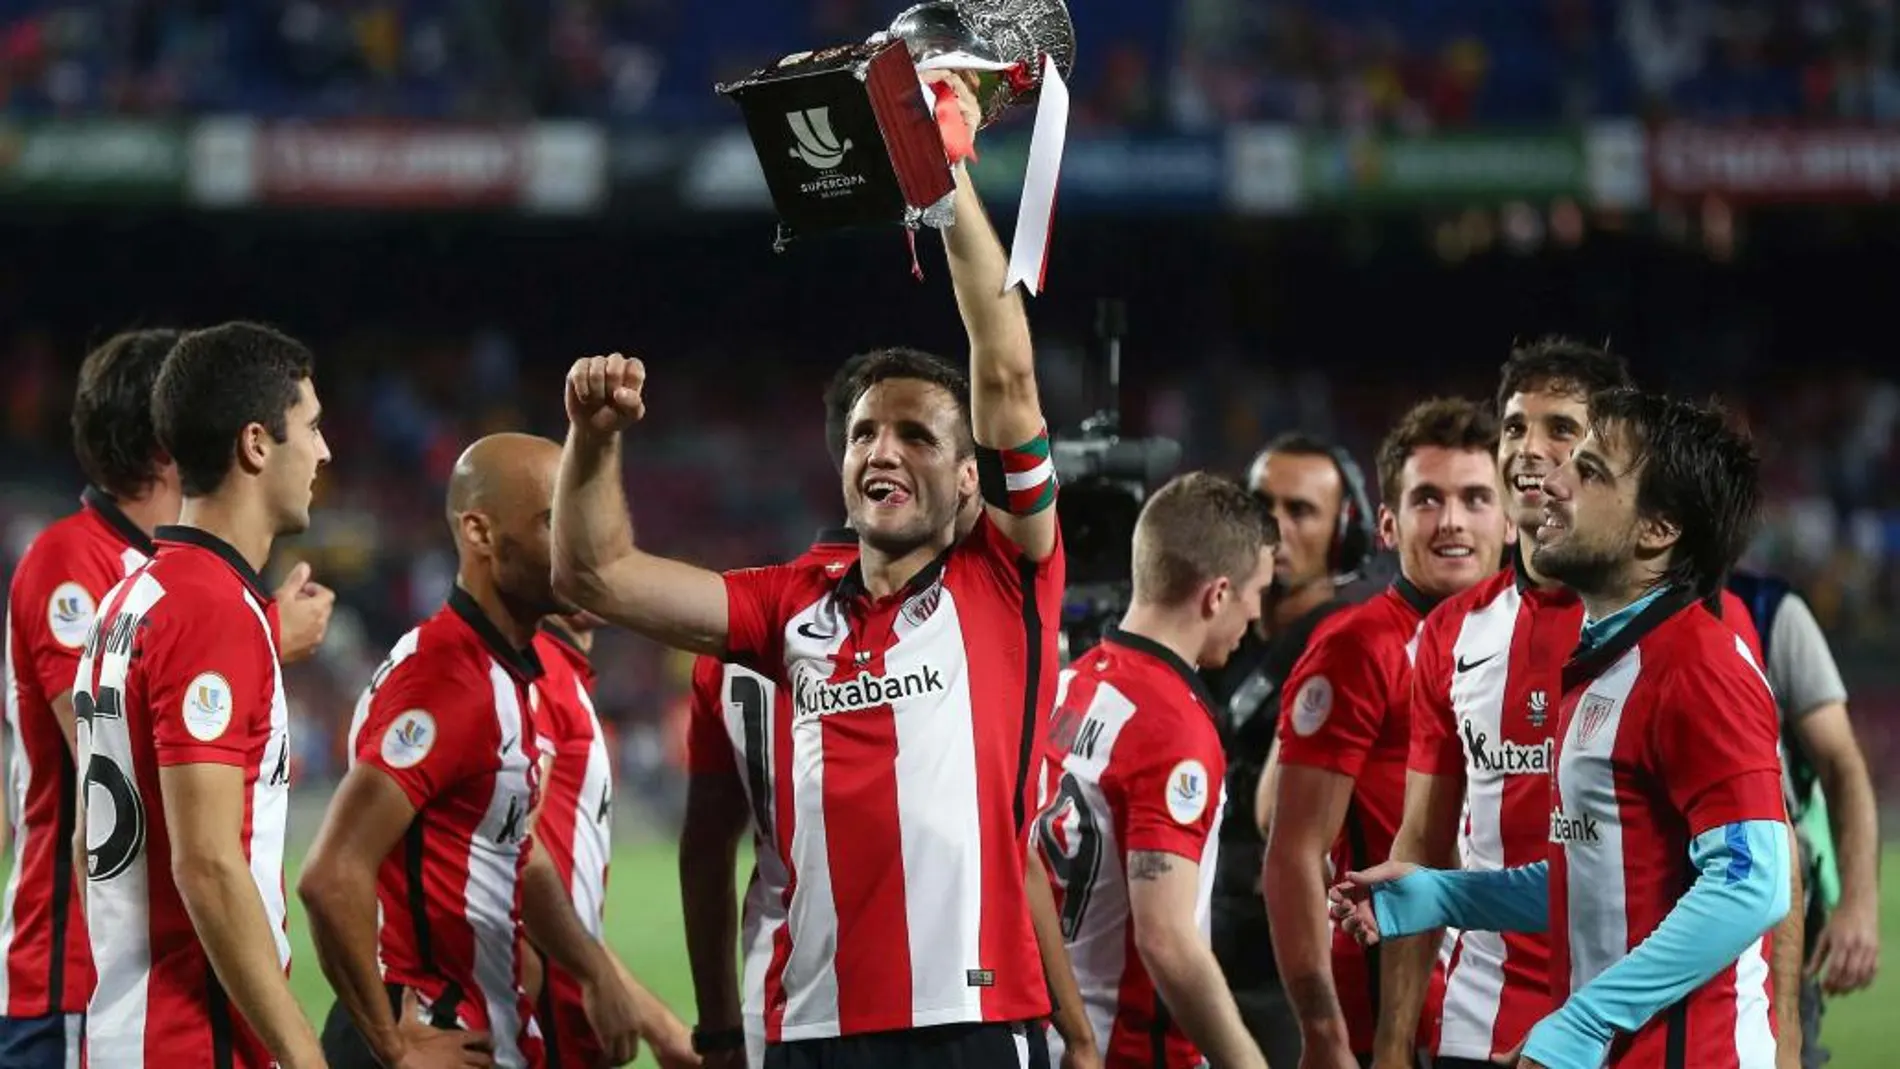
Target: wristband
707, 1042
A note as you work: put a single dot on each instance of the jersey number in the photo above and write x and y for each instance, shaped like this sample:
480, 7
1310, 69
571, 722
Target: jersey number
1072, 850
125, 841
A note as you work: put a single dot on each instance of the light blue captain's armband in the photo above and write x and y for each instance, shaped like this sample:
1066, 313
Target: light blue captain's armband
1020, 481
1500, 900
1740, 892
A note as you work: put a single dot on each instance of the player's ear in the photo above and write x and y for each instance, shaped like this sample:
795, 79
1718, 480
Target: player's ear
474, 529
1657, 533
1214, 596
1388, 528
966, 478
253, 447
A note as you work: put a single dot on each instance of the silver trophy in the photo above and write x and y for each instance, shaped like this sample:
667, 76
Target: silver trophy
1014, 32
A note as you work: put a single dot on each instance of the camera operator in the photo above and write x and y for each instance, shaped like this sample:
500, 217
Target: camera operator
1318, 498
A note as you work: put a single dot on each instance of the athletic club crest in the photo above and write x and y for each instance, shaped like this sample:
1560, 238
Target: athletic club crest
1591, 716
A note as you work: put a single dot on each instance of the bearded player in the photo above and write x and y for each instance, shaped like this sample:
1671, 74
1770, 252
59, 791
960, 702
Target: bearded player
422, 878
920, 679
1670, 856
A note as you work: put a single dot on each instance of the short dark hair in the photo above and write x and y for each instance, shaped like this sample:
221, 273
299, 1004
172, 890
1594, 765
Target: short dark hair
216, 382
1698, 473
112, 411
840, 395
1562, 365
898, 362
1443, 422
1197, 528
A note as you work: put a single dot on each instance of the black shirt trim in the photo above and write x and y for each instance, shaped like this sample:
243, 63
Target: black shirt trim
1415, 597
101, 502
522, 664
1143, 644
203, 539
851, 587
1582, 667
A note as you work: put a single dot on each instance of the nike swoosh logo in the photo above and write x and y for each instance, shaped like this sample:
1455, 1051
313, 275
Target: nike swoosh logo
508, 743
810, 632
1466, 666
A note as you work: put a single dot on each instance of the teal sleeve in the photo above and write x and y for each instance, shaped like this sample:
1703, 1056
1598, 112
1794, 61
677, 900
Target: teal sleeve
1741, 892
1499, 900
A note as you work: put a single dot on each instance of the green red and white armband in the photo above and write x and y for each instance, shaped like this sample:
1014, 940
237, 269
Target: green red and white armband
1020, 481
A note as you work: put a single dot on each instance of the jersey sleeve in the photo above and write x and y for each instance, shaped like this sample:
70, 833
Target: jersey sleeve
708, 747
1334, 704
1435, 747
1170, 792
56, 596
1712, 739
755, 611
412, 735
210, 677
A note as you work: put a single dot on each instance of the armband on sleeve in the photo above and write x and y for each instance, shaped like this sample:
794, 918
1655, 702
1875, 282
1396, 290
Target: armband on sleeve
1020, 481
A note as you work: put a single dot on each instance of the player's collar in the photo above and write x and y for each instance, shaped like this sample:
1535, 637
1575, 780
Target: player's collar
835, 536
521, 663
1421, 602
1143, 644
851, 585
101, 503
1588, 664
180, 534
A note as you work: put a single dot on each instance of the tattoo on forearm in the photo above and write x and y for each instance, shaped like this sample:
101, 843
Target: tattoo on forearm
1148, 865
1313, 998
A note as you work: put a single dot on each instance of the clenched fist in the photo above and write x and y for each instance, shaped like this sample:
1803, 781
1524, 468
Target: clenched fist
604, 393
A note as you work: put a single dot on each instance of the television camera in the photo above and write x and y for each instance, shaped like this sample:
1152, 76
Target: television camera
1105, 478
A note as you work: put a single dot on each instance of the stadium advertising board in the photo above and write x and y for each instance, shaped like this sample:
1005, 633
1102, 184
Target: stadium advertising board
99, 161
391, 167
1375, 171
1787, 165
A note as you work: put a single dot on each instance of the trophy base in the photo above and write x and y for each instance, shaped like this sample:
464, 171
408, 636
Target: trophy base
845, 139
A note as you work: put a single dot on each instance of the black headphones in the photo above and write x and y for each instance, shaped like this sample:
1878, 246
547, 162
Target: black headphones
1354, 539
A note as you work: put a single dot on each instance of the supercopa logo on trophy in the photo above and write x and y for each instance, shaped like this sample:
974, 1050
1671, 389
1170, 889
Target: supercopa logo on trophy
853, 135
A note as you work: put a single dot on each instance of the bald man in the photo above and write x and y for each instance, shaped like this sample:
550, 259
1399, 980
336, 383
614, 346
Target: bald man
432, 821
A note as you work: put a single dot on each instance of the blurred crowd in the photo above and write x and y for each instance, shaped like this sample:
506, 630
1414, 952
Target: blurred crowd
1409, 65
736, 473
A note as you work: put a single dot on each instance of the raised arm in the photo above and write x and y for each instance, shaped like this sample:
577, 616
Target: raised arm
596, 564
1005, 411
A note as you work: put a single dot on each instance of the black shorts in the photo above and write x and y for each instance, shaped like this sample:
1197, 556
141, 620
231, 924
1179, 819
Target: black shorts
343, 1044
950, 1046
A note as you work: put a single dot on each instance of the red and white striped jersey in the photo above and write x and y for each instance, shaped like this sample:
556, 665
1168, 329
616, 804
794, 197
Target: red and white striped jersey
54, 595
900, 784
1485, 689
732, 713
1142, 770
1485, 685
575, 827
1666, 731
1346, 709
180, 669
448, 717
